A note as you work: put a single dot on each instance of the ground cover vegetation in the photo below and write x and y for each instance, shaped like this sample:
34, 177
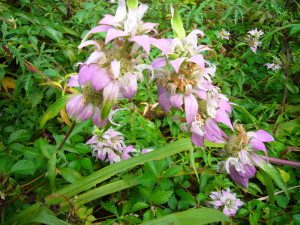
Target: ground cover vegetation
150, 112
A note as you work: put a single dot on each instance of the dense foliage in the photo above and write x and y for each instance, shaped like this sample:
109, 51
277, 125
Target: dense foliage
48, 174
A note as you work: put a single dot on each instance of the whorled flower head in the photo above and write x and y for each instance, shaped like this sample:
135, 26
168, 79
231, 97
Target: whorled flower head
214, 108
110, 146
126, 24
242, 148
253, 39
227, 201
273, 66
85, 105
224, 35
116, 69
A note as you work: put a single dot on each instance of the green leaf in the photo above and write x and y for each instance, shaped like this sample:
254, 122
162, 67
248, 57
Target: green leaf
269, 185
177, 24
274, 174
107, 172
160, 197
53, 34
106, 107
70, 175
36, 214
245, 115
104, 190
24, 167
132, 4
191, 216
138, 206
54, 109
19, 136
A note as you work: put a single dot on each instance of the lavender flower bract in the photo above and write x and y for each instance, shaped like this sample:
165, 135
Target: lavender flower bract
227, 201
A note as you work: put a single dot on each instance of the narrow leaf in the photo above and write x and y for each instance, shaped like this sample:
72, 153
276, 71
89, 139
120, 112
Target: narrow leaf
107, 172
177, 25
191, 216
132, 4
54, 109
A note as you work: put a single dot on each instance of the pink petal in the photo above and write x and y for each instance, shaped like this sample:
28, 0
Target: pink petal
258, 145
198, 59
158, 63
223, 117
225, 105
115, 68
111, 91
100, 79
264, 136
149, 26
85, 72
164, 99
177, 63
86, 113
176, 100
108, 20
75, 105
162, 44
101, 28
129, 85
213, 132
201, 94
190, 107
89, 42
97, 118
73, 81
144, 41
114, 33
197, 140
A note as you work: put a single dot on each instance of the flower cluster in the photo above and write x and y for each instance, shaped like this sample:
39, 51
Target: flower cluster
253, 39
111, 72
225, 200
242, 149
273, 66
185, 80
224, 35
110, 146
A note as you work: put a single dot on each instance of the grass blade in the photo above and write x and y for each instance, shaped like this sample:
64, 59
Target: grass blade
191, 216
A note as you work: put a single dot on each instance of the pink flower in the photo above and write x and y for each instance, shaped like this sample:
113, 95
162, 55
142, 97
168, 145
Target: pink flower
110, 146
273, 66
126, 24
85, 105
223, 34
241, 165
227, 201
253, 39
256, 33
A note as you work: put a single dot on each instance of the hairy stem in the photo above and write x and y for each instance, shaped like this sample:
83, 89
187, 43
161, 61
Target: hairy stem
282, 161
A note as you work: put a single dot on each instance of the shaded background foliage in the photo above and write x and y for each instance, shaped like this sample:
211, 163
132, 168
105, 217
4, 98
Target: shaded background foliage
39, 52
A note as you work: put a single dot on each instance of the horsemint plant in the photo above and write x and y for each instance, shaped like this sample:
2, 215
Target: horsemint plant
184, 82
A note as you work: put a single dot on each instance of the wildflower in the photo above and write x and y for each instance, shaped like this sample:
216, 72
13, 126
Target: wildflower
126, 24
273, 66
189, 76
110, 146
256, 33
225, 200
85, 105
214, 108
242, 148
253, 39
223, 34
